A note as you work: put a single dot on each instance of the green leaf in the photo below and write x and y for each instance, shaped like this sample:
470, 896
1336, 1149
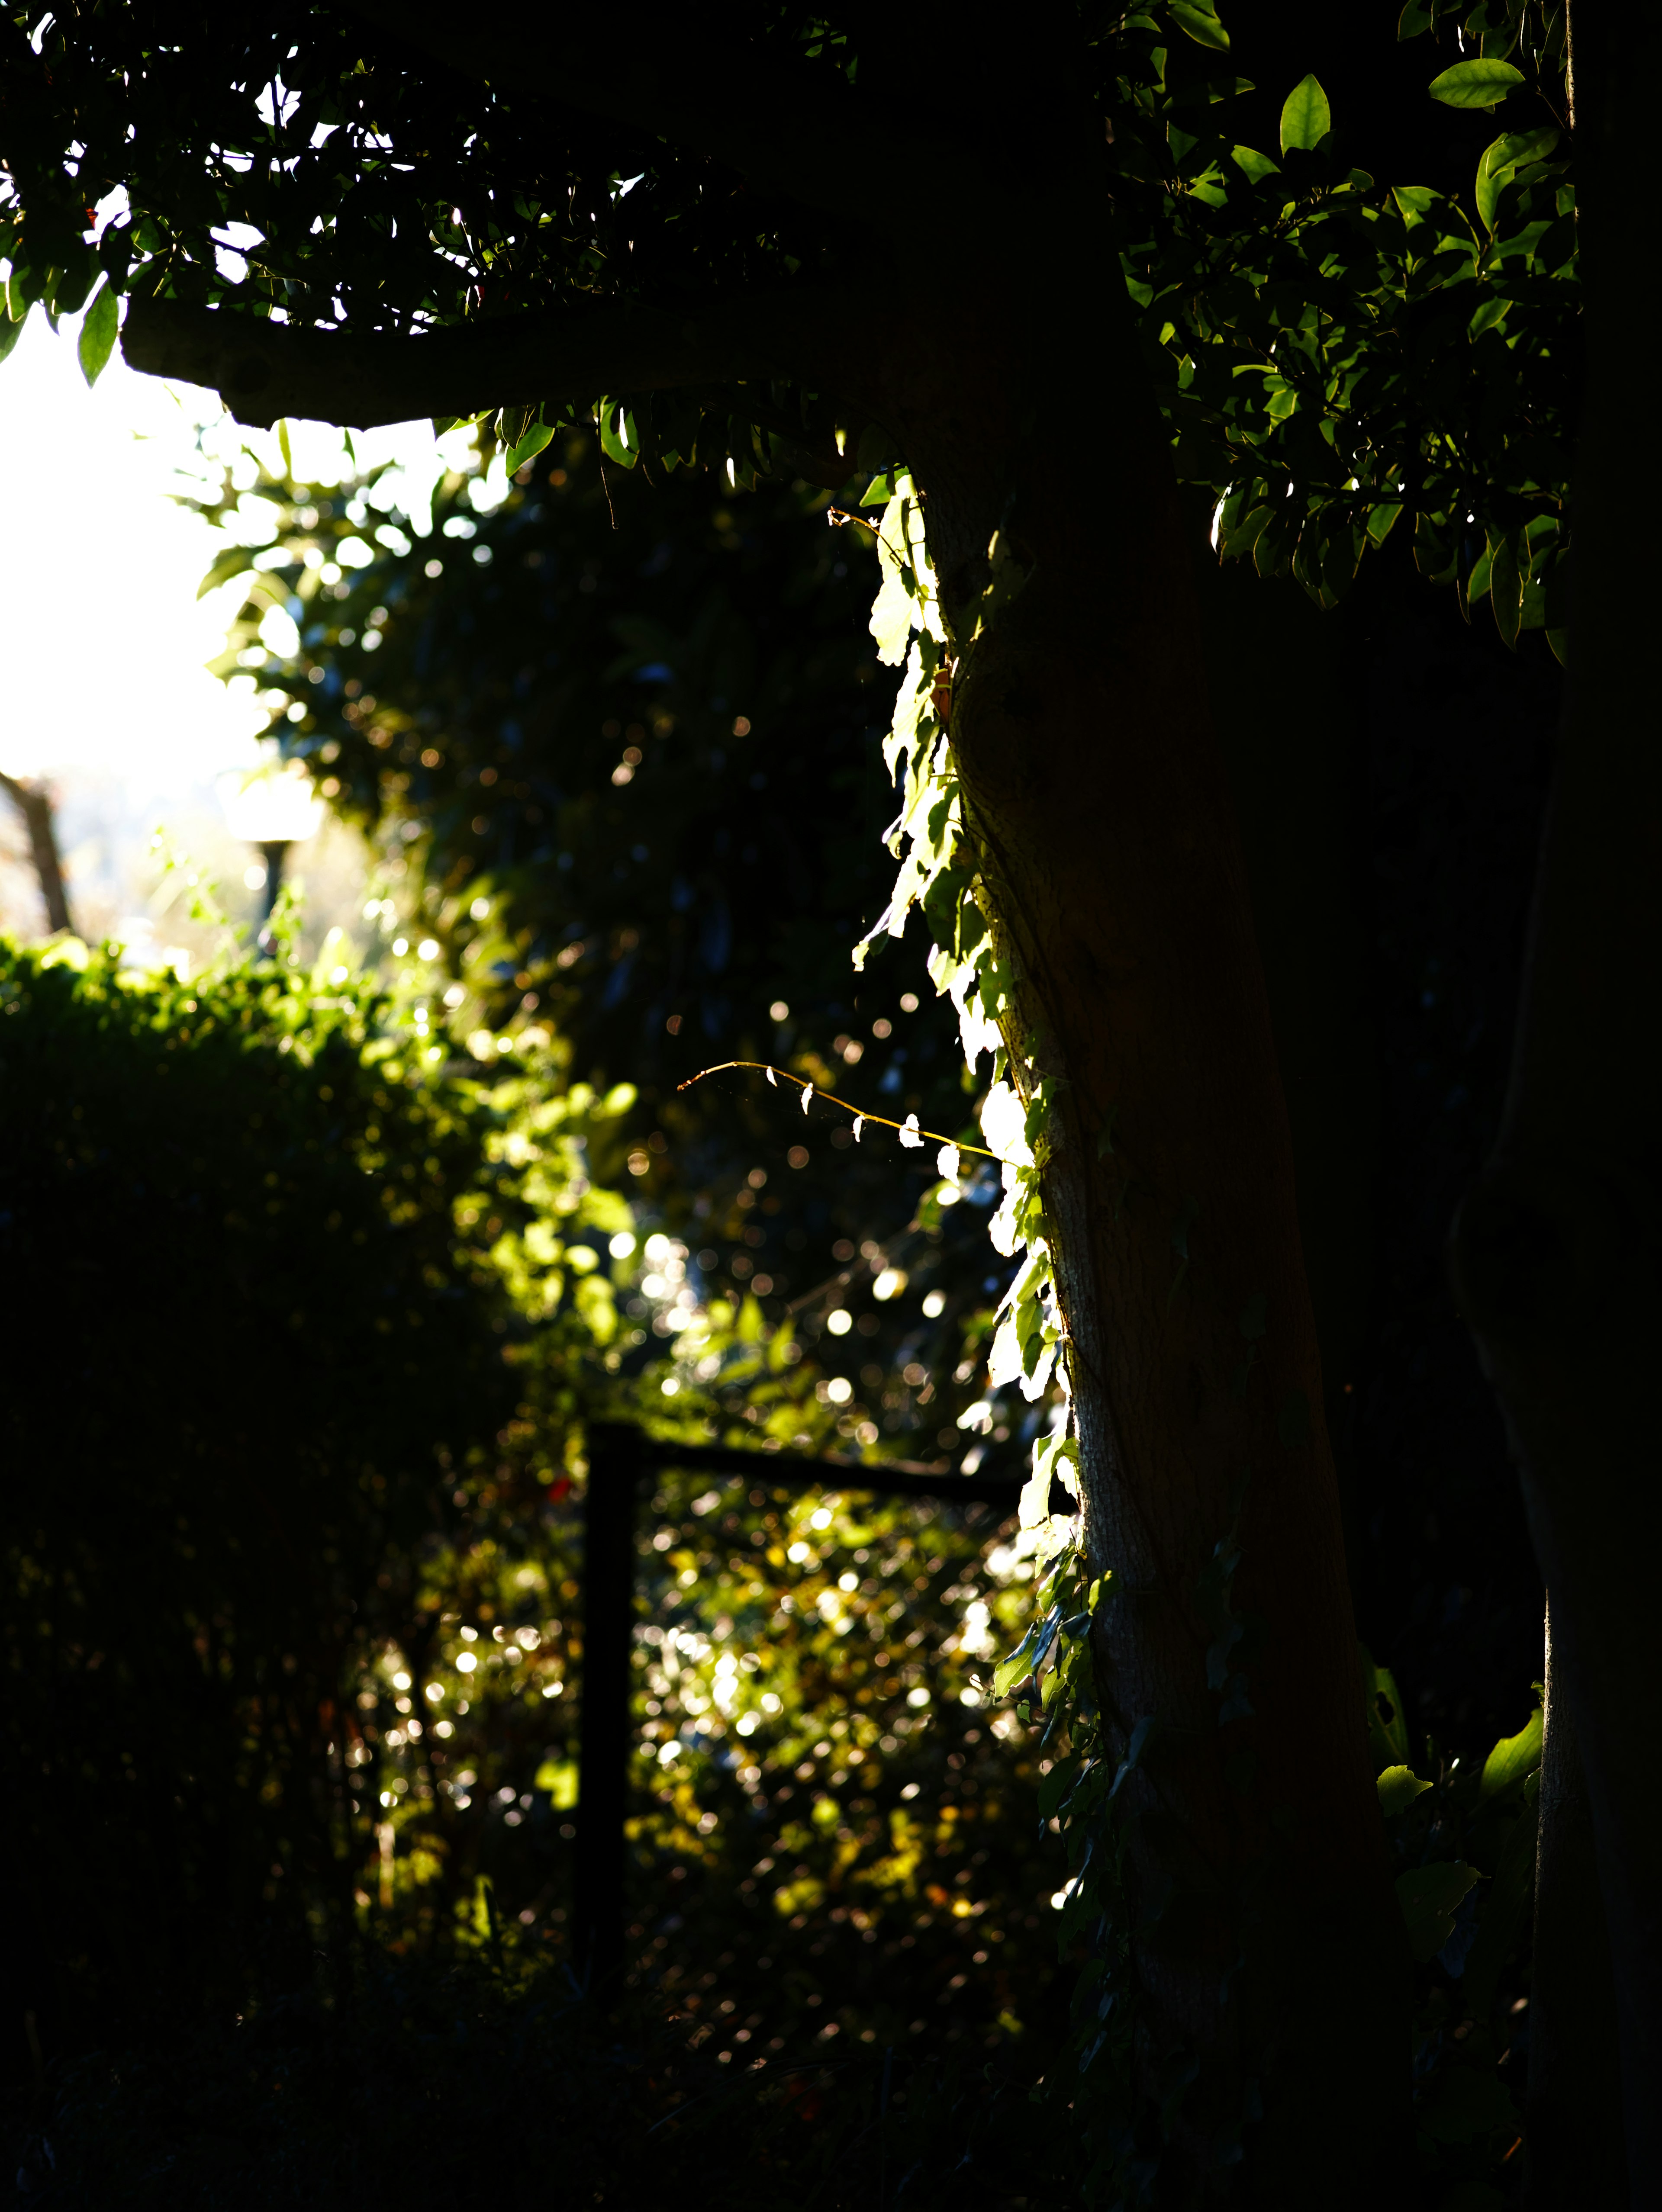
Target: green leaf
1008, 1672
1514, 1757
9, 334
1307, 119
1379, 522
1398, 1787
282, 446
1430, 1897
536, 437
1414, 19
1476, 84
619, 439
1257, 165
1387, 1729
558, 1777
1506, 591
1056, 1785
1200, 23
1509, 153
98, 333
1414, 202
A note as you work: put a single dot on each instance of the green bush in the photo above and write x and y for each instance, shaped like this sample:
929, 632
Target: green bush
243, 1332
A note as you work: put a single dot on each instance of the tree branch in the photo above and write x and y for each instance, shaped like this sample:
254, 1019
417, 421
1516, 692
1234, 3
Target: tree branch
265, 370
805, 132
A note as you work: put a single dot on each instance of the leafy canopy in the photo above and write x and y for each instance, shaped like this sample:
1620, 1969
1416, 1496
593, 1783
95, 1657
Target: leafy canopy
348, 212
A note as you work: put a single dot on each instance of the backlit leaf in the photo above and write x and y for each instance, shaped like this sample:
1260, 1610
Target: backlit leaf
98, 333
1514, 1757
1307, 119
1475, 83
1200, 23
1398, 1788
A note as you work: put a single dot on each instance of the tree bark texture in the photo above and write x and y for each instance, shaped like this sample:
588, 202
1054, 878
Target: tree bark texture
1555, 1253
1099, 809
1575, 2149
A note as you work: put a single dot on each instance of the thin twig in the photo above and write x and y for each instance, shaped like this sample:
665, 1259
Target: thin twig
905, 1128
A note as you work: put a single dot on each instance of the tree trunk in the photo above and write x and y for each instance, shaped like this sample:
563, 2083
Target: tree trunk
1096, 801
1555, 1252
34, 806
1574, 2126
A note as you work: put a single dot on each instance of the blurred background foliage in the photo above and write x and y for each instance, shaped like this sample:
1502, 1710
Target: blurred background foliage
294, 1593
619, 744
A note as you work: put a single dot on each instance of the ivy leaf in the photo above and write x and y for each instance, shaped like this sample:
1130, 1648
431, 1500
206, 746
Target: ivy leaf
1307, 119
1512, 1759
1430, 1897
1476, 84
1387, 1729
1202, 25
1398, 1788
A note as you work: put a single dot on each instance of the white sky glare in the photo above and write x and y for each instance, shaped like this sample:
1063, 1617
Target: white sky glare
107, 695
105, 638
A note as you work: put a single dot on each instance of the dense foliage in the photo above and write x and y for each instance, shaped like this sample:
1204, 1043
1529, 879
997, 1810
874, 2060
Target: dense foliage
303, 1633
248, 1323
527, 700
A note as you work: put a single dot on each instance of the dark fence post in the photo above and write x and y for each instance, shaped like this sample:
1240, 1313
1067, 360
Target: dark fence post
617, 1458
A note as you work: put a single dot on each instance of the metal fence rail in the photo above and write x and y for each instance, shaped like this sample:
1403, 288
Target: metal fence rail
619, 1459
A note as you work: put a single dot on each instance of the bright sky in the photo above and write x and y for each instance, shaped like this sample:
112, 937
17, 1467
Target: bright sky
105, 641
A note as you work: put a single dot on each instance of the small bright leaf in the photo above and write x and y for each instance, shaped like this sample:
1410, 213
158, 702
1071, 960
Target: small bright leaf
1307, 119
1398, 1788
1476, 84
1202, 25
98, 333
1513, 1757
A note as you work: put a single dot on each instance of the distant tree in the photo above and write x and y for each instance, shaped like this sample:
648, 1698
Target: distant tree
33, 803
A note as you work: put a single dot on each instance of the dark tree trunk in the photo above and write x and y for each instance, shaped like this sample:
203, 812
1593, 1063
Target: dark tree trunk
1099, 810
1555, 1253
34, 806
1576, 2154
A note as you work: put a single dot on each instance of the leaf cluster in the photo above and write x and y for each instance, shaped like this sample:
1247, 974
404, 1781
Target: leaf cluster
250, 1324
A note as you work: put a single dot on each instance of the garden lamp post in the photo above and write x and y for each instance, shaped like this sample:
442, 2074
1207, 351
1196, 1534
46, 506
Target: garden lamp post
272, 808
